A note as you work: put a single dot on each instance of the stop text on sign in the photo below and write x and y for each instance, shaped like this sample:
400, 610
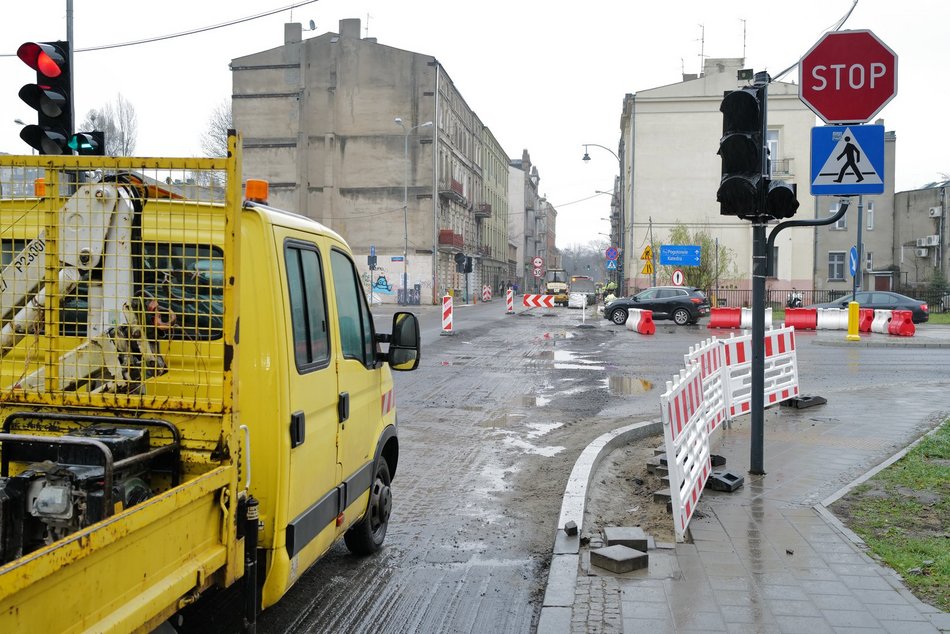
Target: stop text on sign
856, 75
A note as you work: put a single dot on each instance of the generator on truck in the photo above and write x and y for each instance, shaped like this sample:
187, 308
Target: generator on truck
192, 393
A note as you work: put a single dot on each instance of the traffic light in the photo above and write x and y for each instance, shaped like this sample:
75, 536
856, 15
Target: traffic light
468, 264
741, 150
459, 262
49, 96
781, 200
91, 144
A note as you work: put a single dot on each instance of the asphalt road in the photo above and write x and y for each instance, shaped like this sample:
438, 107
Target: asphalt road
490, 425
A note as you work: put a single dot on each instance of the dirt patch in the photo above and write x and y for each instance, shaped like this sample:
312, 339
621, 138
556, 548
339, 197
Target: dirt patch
621, 493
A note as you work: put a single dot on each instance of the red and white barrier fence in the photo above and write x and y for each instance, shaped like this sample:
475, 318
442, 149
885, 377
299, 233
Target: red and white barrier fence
715, 387
509, 302
641, 321
486, 293
447, 315
537, 301
734, 317
686, 436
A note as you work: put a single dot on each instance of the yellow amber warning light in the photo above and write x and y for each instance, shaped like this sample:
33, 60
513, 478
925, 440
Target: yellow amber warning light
256, 191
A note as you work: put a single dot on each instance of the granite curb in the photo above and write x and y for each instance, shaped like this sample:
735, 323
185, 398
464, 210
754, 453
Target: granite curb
557, 608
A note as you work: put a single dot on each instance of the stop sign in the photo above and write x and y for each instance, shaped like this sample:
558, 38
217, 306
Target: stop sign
848, 76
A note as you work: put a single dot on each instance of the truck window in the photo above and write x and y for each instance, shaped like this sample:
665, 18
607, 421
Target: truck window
308, 310
356, 326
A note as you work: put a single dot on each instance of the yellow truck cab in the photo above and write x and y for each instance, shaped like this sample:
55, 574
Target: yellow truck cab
555, 283
192, 393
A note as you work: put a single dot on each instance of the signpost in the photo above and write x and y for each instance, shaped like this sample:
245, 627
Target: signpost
848, 76
847, 160
679, 254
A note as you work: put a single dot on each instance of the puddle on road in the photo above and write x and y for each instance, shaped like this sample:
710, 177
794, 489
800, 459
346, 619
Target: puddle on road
627, 385
540, 429
526, 447
567, 360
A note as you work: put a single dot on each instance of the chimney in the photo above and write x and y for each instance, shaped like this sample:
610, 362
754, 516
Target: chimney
292, 33
350, 27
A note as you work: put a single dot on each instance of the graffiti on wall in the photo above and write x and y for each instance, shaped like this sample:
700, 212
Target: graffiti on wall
378, 282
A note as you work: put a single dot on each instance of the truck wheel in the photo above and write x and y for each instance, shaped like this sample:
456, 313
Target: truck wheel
366, 536
681, 316
619, 316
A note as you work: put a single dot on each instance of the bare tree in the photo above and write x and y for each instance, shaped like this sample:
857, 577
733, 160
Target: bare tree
214, 141
118, 122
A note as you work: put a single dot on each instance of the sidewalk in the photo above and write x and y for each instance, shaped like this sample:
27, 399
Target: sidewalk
768, 557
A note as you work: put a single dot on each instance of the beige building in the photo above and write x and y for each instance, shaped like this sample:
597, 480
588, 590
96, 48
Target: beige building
531, 224
921, 238
670, 137
319, 121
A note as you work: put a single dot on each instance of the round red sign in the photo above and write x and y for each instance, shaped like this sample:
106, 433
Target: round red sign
848, 76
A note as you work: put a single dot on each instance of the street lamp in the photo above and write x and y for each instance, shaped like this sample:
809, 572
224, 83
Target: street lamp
586, 158
405, 206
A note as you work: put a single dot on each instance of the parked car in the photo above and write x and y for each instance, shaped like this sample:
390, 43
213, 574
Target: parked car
882, 300
682, 304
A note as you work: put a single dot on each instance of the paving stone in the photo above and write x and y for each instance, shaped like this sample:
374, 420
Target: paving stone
619, 559
663, 495
629, 536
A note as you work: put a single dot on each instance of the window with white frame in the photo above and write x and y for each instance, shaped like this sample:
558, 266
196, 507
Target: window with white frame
836, 266
870, 216
772, 143
842, 223
868, 261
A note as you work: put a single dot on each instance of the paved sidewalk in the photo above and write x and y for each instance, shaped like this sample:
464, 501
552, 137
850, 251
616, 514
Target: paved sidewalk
768, 557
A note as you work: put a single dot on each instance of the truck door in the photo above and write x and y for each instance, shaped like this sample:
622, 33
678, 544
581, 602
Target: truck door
358, 375
312, 391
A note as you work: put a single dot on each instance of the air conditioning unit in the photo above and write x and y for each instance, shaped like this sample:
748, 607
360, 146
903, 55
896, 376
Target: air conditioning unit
921, 242
935, 212
922, 253
932, 241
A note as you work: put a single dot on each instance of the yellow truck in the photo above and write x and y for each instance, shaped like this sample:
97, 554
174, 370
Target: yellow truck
193, 394
555, 283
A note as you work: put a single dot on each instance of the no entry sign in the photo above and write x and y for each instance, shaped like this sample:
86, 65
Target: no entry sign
848, 76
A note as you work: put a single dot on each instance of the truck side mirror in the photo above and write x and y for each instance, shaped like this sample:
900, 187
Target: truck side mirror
404, 344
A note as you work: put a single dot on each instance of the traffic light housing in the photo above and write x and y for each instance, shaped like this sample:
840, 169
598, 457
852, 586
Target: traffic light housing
49, 96
781, 199
741, 149
468, 264
459, 262
92, 144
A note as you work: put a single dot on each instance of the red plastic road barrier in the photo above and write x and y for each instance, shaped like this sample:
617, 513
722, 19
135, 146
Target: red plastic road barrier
538, 301
727, 317
646, 325
801, 318
902, 323
865, 319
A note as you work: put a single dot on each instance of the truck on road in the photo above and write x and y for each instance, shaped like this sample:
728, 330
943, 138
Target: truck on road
192, 393
555, 283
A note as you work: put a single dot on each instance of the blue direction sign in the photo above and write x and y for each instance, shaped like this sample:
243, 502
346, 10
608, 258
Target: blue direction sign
611, 265
611, 253
679, 254
372, 249
853, 261
847, 160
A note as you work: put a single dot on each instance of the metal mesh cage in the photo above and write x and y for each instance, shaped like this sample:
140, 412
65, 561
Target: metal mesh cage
112, 288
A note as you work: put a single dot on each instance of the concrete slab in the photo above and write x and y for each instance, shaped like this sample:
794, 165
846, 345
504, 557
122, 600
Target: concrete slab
619, 559
629, 536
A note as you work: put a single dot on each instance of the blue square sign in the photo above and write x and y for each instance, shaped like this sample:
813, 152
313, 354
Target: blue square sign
847, 160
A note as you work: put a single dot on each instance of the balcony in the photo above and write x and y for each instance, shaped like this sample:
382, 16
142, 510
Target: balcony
450, 240
452, 190
782, 167
485, 251
483, 210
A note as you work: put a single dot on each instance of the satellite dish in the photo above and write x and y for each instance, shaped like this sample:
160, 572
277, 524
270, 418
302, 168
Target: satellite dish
313, 26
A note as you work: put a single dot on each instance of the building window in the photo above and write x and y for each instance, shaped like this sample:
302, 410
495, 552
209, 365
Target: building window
842, 223
836, 266
774, 262
869, 261
772, 142
870, 213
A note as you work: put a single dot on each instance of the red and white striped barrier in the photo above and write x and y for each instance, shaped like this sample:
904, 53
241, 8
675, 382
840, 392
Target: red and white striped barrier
886, 322
538, 301
447, 316
725, 317
902, 323
641, 321
687, 444
781, 370
509, 302
486, 293
709, 356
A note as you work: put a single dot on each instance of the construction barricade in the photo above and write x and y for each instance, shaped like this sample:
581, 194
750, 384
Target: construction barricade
486, 293
716, 387
641, 321
745, 320
725, 317
447, 316
687, 444
902, 323
509, 302
831, 319
802, 318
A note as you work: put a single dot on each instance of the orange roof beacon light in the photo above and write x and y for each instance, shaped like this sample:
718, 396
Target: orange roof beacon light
256, 191
39, 187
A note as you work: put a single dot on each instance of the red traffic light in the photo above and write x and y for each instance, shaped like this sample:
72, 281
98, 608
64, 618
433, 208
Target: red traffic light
44, 58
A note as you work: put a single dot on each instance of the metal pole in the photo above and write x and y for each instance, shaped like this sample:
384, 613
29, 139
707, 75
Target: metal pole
858, 268
757, 411
405, 223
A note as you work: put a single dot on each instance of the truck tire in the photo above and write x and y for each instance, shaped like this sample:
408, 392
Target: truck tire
366, 536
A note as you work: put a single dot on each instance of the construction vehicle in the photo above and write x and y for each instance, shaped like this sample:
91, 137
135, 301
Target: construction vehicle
192, 393
555, 283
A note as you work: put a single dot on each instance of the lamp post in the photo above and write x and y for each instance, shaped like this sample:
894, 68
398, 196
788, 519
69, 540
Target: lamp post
405, 206
586, 158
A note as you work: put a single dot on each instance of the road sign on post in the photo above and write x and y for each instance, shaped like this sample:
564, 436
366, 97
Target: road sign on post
848, 76
847, 160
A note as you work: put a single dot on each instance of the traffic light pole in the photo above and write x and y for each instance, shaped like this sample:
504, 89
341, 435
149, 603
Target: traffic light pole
757, 413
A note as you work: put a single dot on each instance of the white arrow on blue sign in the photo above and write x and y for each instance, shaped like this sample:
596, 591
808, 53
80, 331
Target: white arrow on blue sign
853, 261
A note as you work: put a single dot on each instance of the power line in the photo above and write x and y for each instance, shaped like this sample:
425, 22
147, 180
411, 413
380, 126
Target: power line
159, 38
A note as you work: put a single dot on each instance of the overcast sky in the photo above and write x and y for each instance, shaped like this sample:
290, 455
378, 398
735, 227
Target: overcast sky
544, 75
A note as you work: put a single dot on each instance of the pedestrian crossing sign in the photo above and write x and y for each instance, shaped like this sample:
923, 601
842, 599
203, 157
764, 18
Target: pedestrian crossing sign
611, 265
847, 160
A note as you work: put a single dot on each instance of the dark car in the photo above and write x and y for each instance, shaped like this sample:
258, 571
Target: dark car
682, 304
883, 300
